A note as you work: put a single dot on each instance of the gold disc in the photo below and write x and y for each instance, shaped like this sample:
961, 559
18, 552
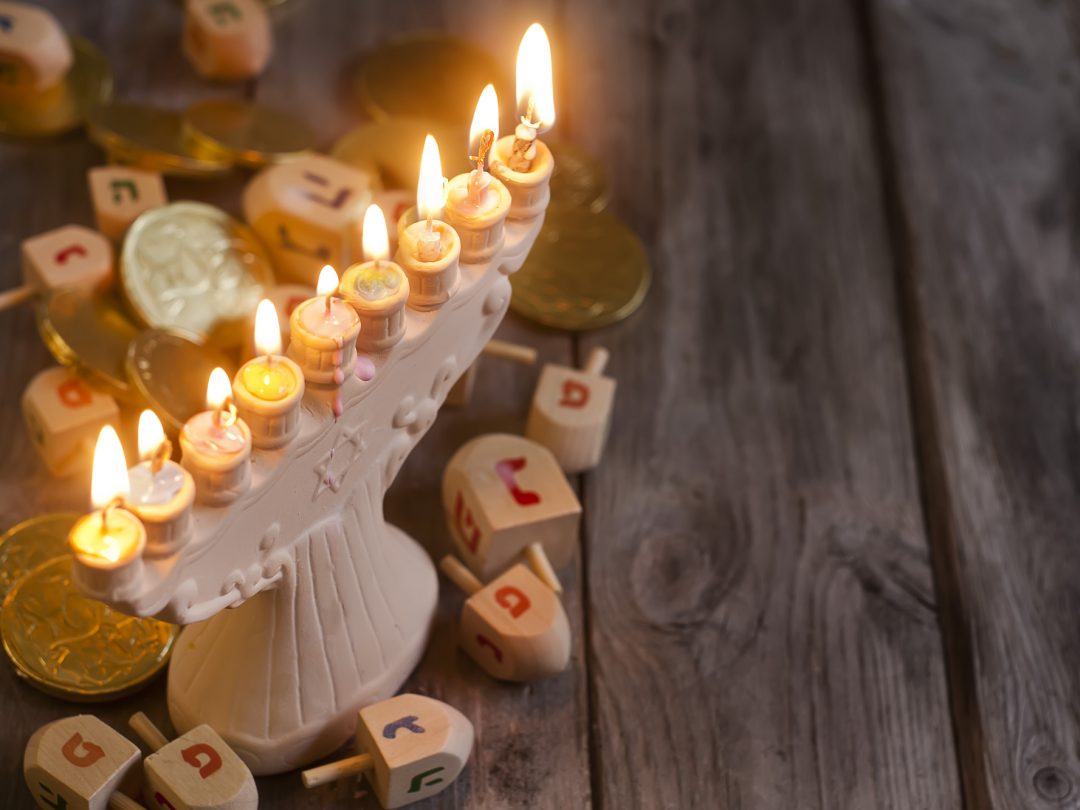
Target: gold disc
428, 76
88, 83
90, 333
74, 647
391, 150
578, 180
170, 370
246, 133
192, 267
151, 138
31, 543
585, 271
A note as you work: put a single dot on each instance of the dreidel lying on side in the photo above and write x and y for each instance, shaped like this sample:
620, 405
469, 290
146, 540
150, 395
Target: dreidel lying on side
71, 256
514, 627
412, 747
461, 393
196, 771
79, 763
571, 412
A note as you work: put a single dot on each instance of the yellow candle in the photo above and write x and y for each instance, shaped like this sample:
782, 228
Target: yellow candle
268, 389
104, 540
269, 380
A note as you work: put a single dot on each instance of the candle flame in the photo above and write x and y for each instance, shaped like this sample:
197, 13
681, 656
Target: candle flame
151, 434
218, 390
328, 281
109, 478
430, 190
267, 329
485, 117
534, 88
376, 239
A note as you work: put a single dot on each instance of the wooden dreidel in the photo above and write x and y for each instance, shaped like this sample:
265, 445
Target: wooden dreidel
461, 393
63, 417
120, 193
227, 39
34, 51
196, 771
503, 492
571, 412
412, 747
71, 256
514, 627
79, 763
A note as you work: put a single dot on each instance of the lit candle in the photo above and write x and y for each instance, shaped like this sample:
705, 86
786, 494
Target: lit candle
522, 161
216, 446
476, 202
269, 388
324, 331
108, 543
377, 289
428, 249
162, 491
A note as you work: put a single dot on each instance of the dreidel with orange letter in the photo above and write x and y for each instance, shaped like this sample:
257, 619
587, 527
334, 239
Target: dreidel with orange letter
79, 763
196, 771
412, 747
571, 412
514, 627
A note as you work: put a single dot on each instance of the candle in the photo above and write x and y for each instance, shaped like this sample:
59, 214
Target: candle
428, 249
324, 330
162, 491
476, 202
377, 289
216, 446
522, 161
269, 388
108, 543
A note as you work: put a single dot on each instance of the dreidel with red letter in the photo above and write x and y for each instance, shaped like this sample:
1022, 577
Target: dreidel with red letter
571, 412
196, 771
412, 747
79, 763
514, 627
71, 256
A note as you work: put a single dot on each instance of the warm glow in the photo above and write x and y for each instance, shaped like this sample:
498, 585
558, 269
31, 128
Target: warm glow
328, 281
486, 116
151, 435
267, 330
534, 78
376, 240
218, 390
110, 476
430, 190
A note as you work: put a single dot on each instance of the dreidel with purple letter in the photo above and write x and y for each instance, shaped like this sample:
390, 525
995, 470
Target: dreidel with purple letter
196, 771
79, 763
411, 747
514, 627
571, 412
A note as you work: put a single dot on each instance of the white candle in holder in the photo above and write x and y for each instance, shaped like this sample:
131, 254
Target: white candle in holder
323, 334
268, 389
377, 289
216, 446
162, 491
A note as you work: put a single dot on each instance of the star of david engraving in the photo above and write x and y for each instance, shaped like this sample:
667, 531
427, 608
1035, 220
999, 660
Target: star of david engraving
335, 465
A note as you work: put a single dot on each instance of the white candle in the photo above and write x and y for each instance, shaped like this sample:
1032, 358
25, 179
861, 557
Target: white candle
162, 491
324, 330
216, 446
377, 289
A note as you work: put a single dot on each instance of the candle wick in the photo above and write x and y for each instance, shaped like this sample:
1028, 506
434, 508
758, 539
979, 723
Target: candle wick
115, 502
529, 110
487, 138
430, 227
328, 305
163, 451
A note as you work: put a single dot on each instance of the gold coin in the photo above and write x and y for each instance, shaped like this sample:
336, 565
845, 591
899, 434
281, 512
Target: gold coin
74, 647
151, 138
586, 270
90, 333
88, 83
428, 76
578, 180
391, 149
29, 544
170, 370
190, 266
246, 133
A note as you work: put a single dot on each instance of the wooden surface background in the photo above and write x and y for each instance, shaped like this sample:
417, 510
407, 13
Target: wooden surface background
830, 558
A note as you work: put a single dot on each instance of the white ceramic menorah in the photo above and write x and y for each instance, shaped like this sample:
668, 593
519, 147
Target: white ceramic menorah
303, 604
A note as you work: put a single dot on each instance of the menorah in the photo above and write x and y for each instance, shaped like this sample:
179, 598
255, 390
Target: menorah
302, 603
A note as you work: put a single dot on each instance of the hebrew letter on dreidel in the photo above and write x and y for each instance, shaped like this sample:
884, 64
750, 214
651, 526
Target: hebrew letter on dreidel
62, 256
193, 756
89, 754
6, 23
336, 201
408, 723
466, 526
74, 394
225, 12
574, 394
506, 469
119, 186
513, 600
418, 781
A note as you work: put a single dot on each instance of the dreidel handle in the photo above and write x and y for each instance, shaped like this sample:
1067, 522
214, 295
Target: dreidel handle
504, 350
597, 361
118, 801
333, 771
14, 297
541, 566
461, 576
150, 734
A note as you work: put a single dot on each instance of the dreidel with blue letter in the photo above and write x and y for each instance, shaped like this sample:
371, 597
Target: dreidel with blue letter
411, 747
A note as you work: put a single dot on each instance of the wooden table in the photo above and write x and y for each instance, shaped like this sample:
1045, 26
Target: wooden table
830, 559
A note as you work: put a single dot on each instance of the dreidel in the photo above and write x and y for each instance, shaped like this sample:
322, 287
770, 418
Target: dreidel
80, 763
571, 412
196, 771
461, 393
119, 194
71, 256
34, 50
514, 627
227, 39
64, 416
411, 747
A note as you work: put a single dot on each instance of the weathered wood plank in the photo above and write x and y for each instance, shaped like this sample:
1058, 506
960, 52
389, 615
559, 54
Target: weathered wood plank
762, 628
